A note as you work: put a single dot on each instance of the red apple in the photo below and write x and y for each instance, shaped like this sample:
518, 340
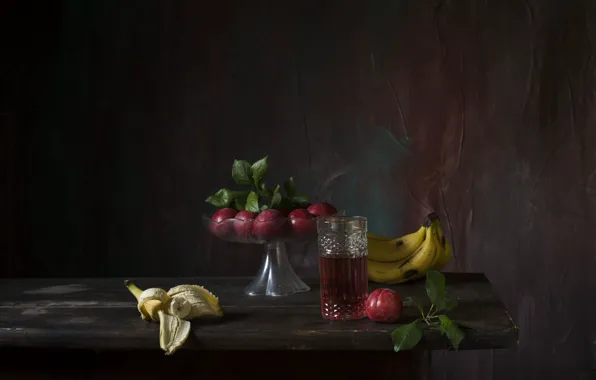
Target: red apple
269, 224
384, 305
321, 209
302, 222
219, 226
243, 224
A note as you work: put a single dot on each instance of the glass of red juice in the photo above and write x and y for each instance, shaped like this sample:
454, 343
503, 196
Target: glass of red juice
343, 253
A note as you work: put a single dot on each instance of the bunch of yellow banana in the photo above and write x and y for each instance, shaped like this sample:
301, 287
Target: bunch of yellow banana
394, 261
174, 309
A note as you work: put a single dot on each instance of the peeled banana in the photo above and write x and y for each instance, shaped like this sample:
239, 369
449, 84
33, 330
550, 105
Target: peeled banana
393, 263
192, 301
174, 309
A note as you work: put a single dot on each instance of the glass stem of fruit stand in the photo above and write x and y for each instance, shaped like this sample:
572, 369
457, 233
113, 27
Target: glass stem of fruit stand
276, 276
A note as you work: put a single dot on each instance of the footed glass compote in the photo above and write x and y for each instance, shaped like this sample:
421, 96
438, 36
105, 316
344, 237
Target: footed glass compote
276, 276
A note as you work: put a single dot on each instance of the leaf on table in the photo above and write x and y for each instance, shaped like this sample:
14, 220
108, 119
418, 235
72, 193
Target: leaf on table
452, 330
436, 289
407, 336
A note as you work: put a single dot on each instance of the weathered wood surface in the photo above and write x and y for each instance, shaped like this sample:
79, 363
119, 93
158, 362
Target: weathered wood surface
101, 314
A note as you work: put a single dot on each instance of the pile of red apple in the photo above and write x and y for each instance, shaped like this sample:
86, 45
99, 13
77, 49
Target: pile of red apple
270, 224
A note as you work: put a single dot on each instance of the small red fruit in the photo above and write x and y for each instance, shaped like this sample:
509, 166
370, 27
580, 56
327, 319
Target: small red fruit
243, 224
220, 226
322, 209
384, 305
269, 224
302, 222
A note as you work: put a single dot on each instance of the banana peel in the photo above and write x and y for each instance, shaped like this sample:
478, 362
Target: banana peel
173, 332
174, 310
193, 301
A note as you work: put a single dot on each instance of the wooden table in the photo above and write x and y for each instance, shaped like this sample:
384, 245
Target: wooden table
91, 328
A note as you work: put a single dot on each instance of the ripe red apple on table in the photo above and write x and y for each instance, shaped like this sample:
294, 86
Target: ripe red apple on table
243, 224
302, 222
218, 226
269, 224
384, 305
321, 209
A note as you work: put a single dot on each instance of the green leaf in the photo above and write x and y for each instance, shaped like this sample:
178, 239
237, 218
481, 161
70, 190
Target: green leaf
264, 207
242, 172
452, 330
259, 170
252, 202
240, 204
264, 191
407, 336
276, 198
436, 290
290, 187
300, 200
239, 199
222, 198
240, 193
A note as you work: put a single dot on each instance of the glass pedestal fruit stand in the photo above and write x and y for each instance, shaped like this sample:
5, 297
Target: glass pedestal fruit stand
276, 277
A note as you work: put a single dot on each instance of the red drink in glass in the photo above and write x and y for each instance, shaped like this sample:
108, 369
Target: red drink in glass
343, 254
344, 287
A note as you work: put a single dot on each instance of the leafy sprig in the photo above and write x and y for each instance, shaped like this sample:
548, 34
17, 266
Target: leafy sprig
258, 196
435, 318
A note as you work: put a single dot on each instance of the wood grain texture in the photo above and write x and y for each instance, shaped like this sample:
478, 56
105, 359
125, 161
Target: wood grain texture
101, 314
127, 115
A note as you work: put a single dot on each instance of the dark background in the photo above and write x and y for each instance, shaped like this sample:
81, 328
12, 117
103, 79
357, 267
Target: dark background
118, 118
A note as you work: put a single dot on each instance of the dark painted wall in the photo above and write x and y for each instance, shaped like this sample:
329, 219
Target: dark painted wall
120, 117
